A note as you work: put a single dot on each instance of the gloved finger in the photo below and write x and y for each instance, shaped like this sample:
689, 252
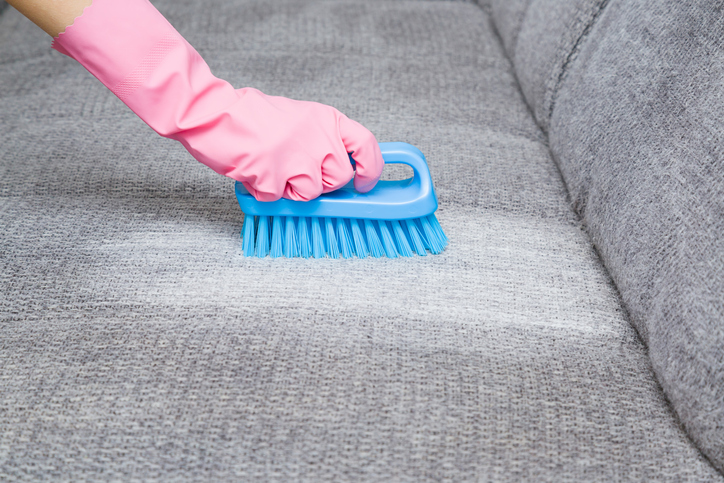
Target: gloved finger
270, 190
304, 186
336, 171
361, 143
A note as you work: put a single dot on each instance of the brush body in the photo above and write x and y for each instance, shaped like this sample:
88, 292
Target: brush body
395, 218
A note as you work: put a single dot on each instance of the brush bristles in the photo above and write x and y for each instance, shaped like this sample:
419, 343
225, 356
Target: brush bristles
438, 229
387, 242
317, 239
290, 237
248, 234
436, 245
403, 247
345, 242
373, 240
423, 235
360, 247
262, 237
276, 239
291, 247
332, 247
417, 244
305, 247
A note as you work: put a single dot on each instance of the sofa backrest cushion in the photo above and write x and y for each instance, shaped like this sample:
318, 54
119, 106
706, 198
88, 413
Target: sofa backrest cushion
631, 93
507, 16
542, 37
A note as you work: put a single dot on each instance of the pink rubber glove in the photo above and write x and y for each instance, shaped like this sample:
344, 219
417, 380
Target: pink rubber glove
276, 147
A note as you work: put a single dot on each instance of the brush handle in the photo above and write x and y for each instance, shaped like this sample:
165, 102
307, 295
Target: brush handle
388, 200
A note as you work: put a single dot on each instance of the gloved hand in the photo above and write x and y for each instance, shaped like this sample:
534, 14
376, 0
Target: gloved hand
276, 147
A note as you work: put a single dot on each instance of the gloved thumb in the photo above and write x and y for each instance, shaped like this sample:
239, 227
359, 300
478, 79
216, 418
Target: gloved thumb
365, 151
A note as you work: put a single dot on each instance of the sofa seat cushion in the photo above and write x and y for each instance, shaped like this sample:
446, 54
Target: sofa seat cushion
137, 341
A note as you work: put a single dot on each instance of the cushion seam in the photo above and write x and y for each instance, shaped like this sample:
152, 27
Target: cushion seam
572, 54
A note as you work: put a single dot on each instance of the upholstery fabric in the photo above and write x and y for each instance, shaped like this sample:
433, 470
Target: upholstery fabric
542, 38
138, 343
637, 132
508, 18
548, 42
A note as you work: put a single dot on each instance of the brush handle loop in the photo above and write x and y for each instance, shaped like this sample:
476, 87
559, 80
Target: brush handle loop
403, 153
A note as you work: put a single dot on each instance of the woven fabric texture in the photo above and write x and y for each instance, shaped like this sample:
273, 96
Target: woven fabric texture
637, 132
542, 38
508, 16
548, 42
138, 343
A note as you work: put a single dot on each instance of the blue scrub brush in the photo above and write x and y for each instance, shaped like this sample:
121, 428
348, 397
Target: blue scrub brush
395, 218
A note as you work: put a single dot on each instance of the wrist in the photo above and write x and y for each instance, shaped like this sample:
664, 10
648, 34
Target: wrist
52, 17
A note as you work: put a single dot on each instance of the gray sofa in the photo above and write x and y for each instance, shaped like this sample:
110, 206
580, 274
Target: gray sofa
573, 329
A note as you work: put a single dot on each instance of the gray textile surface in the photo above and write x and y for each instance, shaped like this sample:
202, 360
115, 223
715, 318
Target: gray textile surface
508, 17
550, 36
542, 37
137, 342
637, 131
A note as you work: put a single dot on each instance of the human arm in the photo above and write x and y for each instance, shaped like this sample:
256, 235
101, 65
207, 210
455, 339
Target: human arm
277, 147
53, 16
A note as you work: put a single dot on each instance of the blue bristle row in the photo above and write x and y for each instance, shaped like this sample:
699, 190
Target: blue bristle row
403, 247
360, 247
425, 241
437, 228
373, 240
415, 237
248, 235
345, 241
332, 247
290, 237
262, 237
435, 244
305, 247
291, 248
387, 241
277, 238
318, 250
